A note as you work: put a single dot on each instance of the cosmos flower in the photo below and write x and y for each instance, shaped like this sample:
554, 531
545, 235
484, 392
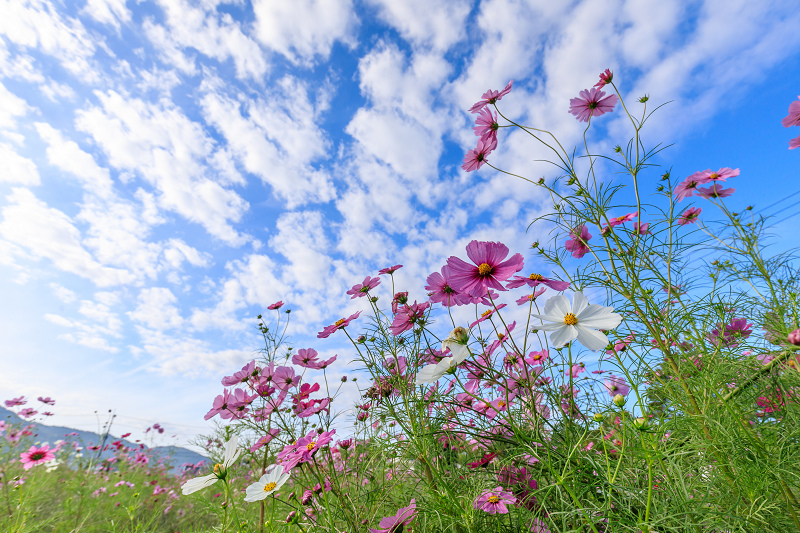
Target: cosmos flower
476, 157
36, 456
578, 243
616, 385
486, 125
580, 321
494, 501
361, 289
688, 187
488, 270
591, 102
276, 305
339, 324
271, 481
716, 191
397, 523
605, 78
232, 452
390, 270
689, 216
793, 118
491, 97
534, 280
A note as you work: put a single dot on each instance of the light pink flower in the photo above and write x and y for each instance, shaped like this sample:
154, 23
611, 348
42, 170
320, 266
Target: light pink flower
793, 118
531, 297
616, 385
578, 242
285, 378
397, 523
534, 280
36, 456
688, 187
28, 412
537, 358
243, 376
642, 229
794, 143
220, 406
621, 220
591, 103
276, 305
494, 501
477, 157
48, 400
488, 270
689, 216
390, 270
16, 401
486, 125
440, 291
339, 324
605, 79
271, 434
716, 191
307, 358
408, 316
361, 289
491, 97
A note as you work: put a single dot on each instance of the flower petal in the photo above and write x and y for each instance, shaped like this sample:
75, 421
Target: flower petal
557, 305
579, 303
198, 483
563, 335
591, 338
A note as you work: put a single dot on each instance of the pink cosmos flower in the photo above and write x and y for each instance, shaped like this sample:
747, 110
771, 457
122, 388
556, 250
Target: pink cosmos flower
722, 174
486, 125
591, 103
494, 501
794, 143
485, 315
309, 445
793, 118
716, 191
488, 271
36, 456
408, 316
276, 305
48, 400
623, 219
537, 526
16, 401
537, 358
390, 270
284, 378
605, 79
440, 291
729, 334
531, 297
271, 434
361, 289
397, 523
220, 406
339, 324
243, 376
689, 216
537, 279
28, 412
477, 157
688, 187
616, 385
239, 404
307, 358
491, 97
578, 242
642, 229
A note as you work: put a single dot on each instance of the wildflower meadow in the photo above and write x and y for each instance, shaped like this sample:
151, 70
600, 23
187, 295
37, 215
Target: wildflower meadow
647, 381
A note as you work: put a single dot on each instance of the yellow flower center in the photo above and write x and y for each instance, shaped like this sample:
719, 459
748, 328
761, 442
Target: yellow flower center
570, 320
269, 486
493, 499
218, 468
714, 176
486, 313
536, 277
310, 445
484, 269
501, 404
339, 322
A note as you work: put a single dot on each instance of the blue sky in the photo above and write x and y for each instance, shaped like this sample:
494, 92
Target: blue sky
170, 168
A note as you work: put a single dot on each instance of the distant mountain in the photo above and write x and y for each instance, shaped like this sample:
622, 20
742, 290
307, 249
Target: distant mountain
51, 434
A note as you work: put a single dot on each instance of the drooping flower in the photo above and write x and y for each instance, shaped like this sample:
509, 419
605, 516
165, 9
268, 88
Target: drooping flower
474, 159
271, 481
689, 216
407, 316
390, 270
616, 385
605, 78
715, 191
276, 305
579, 321
486, 125
488, 270
397, 523
339, 324
232, 452
494, 501
36, 456
534, 280
591, 102
491, 97
793, 118
361, 289
578, 243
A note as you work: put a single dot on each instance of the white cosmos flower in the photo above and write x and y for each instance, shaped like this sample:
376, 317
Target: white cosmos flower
579, 321
269, 483
459, 351
232, 452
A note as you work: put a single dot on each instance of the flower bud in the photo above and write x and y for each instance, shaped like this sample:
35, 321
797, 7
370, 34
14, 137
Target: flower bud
541, 181
598, 417
665, 176
641, 424
660, 188
535, 244
619, 400
571, 180
794, 337
618, 149
344, 379
643, 99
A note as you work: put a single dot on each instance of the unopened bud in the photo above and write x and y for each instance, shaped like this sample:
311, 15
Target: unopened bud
665, 176
535, 244
571, 180
618, 149
598, 417
541, 181
641, 424
643, 99
660, 188
794, 337
344, 379
619, 400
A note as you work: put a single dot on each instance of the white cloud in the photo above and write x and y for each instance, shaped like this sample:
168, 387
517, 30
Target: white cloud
47, 233
11, 107
303, 29
302, 239
156, 309
64, 294
441, 26
108, 11
16, 169
213, 34
68, 156
170, 151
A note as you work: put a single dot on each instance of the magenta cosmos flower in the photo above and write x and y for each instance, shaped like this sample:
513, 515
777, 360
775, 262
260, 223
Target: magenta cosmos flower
307, 358
537, 279
616, 385
390, 270
689, 216
591, 102
276, 305
605, 79
477, 157
16, 401
494, 501
361, 289
48, 400
36, 456
243, 376
793, 118
408, 316
715, 191
486, 125
440, 291
616, 221
488, 270
578, 242
339, 324
491, 97
397, 523
688, 187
